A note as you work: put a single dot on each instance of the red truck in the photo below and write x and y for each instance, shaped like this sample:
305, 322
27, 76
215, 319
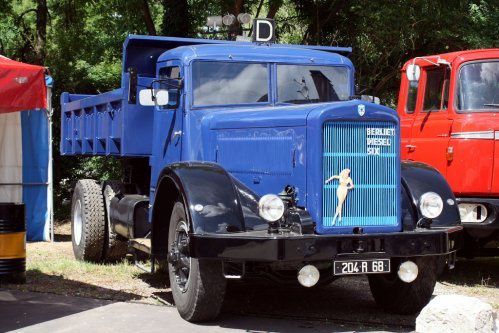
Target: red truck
449, 111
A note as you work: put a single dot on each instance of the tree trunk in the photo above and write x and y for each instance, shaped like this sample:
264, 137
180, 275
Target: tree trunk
41, 31
176, 18
146, 11
274, 6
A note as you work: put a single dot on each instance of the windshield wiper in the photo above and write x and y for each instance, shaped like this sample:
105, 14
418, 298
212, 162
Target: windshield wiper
494, 105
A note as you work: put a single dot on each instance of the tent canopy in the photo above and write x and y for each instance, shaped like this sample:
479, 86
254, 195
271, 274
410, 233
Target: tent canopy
25, 143
22, 86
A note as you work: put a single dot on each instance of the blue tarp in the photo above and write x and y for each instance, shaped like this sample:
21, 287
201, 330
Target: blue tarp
35, 143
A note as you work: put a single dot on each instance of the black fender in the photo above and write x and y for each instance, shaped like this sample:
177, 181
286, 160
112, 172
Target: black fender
419, 178
215, 201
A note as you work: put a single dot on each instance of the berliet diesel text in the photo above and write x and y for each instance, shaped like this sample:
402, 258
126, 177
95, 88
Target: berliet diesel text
245, 160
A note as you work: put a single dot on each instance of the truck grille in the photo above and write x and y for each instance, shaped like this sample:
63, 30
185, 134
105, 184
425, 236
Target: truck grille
370, 151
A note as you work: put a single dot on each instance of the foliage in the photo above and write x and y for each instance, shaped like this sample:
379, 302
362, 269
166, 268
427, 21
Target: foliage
84, 41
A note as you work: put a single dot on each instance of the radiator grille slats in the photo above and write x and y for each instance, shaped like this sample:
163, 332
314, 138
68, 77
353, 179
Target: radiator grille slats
374, 201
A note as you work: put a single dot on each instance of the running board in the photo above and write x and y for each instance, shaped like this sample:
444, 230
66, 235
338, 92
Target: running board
141, 244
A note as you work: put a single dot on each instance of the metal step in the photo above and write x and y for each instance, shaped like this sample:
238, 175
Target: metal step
141, 244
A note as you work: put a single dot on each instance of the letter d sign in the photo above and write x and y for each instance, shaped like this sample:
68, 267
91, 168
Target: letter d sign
263, 31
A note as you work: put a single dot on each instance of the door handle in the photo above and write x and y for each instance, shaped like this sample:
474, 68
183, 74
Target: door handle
411, 147
176, 134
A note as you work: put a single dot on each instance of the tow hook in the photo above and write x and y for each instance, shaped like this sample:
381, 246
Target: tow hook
424, 223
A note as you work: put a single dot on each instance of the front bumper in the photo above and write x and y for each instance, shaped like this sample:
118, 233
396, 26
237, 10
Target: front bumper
259, 246
492, 205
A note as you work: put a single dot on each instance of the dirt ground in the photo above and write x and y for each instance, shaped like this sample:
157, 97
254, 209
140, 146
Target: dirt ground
52, 268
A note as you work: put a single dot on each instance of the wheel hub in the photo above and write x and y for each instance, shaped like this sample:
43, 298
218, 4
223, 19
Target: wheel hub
179, 258
77, 223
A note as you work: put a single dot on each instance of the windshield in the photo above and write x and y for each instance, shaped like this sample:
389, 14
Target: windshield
301, 84
478, 87
229, 83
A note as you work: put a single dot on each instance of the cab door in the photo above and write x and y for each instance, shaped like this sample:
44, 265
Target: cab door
406, 109
168, 121
432, 124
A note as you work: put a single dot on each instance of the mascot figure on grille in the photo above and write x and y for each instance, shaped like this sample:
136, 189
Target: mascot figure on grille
346, 184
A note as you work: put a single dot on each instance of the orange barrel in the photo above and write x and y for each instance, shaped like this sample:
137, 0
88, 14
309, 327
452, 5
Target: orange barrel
12, 243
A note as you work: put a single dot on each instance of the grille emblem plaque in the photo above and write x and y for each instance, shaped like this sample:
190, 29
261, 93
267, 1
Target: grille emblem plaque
345, 185
361, 109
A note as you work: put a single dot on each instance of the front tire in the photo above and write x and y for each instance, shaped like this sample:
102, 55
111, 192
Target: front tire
397, 296
198, 286
88, 226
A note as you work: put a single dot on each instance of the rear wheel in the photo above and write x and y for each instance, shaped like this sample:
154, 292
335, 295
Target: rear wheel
88, 224
198, 286
115, 249
397, 296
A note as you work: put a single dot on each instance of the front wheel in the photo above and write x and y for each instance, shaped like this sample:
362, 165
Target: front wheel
198, 286
397, 296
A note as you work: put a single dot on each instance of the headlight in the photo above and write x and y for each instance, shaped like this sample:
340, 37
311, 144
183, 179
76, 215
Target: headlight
431, 205
271, 207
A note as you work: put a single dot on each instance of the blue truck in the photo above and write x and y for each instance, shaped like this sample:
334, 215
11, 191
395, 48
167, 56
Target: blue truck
255, 160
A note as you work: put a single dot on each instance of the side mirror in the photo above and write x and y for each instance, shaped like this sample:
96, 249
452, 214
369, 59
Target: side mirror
152, 97
371, 99
413, 72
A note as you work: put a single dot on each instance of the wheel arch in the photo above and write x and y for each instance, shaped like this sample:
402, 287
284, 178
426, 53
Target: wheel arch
212, 199
419, 178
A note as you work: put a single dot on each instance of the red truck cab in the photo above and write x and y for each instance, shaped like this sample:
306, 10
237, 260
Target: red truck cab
449, 110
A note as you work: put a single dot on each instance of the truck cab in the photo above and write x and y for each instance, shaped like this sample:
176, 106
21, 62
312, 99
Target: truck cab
448, 113
255, 160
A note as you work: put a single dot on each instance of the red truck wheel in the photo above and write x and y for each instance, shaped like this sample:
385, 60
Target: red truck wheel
88, 224
198, 286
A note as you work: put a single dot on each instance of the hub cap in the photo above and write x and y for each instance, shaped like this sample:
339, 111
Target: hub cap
77, 223
179, 258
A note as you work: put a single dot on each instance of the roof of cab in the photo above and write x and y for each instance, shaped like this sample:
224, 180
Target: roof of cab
253, 52
455, 57
143, 52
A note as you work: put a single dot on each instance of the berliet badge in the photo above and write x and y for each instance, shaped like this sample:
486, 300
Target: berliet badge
361, 109
345, 185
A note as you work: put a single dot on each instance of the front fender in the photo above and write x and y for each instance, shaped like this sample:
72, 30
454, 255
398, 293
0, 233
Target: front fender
215, 201
418, 178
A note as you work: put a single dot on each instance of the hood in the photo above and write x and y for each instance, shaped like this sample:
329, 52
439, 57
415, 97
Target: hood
267, 148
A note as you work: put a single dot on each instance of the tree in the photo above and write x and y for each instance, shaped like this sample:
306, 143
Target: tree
176, 18
41, 31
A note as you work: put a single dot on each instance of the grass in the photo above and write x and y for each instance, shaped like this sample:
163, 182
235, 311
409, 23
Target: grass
477, 278
52, 268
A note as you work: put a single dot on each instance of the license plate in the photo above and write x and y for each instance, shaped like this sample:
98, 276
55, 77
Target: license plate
352, 267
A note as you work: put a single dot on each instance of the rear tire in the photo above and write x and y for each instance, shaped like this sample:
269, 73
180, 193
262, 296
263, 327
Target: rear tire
397, 296
115, 249
88, 224
198, 290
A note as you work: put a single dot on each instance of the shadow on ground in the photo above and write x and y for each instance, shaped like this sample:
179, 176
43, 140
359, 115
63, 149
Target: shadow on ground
478, 271
347, 301
57, 284
20, 309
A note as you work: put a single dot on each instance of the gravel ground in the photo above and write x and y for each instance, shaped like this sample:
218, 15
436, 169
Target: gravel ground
52, 268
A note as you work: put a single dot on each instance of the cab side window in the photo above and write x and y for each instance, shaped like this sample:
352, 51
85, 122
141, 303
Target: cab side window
435, 90
173, 73
412, 96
